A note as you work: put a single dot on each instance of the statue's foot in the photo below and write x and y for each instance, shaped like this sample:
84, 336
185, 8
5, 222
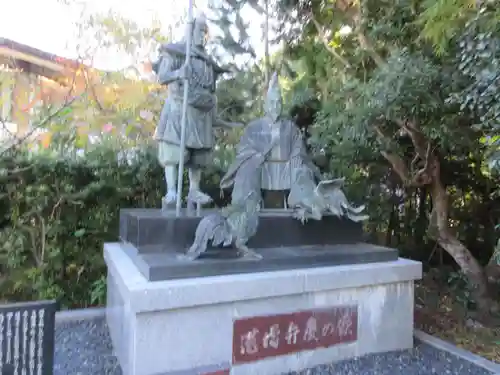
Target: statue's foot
301, 215
245, 252
316, 214
336, 211
170, 198
195, 252
197, 196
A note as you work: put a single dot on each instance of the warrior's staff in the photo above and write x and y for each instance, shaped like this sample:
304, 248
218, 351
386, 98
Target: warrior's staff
180, 171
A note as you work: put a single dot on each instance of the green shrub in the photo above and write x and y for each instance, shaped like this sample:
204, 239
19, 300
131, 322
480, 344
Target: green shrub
56, 213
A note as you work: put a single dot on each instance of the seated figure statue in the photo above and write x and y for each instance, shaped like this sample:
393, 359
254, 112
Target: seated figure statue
272, 145
272, 156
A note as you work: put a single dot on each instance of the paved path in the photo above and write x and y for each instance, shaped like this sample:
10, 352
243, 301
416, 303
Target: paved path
84, 348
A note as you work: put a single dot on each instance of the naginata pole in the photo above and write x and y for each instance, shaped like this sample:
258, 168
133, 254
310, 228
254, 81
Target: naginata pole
180, 170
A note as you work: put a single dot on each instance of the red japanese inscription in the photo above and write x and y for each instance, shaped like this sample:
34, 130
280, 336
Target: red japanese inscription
269, 336
219, 372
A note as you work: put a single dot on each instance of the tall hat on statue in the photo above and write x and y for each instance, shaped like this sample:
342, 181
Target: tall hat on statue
274, 101
200, 19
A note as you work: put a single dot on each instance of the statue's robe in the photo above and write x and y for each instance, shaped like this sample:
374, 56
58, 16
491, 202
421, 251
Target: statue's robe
260, 166
202, 101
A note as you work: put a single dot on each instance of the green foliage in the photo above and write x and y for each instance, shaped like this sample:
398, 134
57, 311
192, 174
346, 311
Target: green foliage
56, 213
233, 38
240, 96
478, 59
478, 62
408, 86
57, 210
459, 285
115, 31
443, 20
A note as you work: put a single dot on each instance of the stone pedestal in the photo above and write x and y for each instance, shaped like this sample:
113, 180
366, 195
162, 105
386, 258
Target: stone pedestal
156, 240
261, 323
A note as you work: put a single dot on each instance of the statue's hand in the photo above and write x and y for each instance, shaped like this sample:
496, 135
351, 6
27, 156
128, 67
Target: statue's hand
184, 72
155, 66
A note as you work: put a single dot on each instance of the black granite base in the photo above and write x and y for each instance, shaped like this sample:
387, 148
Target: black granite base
170, 265
153, 230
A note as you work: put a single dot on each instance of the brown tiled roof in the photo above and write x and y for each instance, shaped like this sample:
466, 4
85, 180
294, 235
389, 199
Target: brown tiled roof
23, 48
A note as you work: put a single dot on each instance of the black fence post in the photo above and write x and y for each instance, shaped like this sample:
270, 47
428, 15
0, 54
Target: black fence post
8, 369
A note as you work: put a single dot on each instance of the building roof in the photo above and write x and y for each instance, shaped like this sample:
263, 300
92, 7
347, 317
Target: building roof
23, 48
33, 60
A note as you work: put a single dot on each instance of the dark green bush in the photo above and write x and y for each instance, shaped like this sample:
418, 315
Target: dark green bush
56, 213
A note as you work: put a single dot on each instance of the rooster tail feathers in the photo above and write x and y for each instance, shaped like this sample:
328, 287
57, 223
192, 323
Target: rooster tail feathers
357, 218
353, 213
221, 234
356, 210
212, 228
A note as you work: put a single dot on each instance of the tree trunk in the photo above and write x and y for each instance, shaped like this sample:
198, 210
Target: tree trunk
391, 226
409, 217
449, 242
430, 176
421, 222
492, 269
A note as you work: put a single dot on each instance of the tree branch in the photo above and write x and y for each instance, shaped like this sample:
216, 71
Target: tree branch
396, 161
418, 138
364, 43
324, 39
40, 125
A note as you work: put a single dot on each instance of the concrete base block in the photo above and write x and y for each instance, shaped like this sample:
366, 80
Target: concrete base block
258, 323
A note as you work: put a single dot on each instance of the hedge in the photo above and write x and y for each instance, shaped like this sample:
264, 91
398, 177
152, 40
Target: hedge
56, 211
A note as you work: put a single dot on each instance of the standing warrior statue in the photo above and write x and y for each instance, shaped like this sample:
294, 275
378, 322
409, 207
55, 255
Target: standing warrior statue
201, 73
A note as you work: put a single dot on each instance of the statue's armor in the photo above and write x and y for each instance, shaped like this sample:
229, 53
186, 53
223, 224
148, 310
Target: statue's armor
201, 94
201, 100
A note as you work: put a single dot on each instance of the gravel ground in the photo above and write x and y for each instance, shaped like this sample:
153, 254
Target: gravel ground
84, 348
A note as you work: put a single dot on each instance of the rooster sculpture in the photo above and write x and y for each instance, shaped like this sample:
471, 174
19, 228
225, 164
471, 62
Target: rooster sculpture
311, 201
233, 225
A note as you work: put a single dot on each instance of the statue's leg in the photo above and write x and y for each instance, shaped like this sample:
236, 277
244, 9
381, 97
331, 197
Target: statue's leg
300, 213
171, 181
198, 160
168, 156
244, 251
316, 213
195, 193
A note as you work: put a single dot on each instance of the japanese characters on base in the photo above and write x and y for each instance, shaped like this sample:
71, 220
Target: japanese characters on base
268, 336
